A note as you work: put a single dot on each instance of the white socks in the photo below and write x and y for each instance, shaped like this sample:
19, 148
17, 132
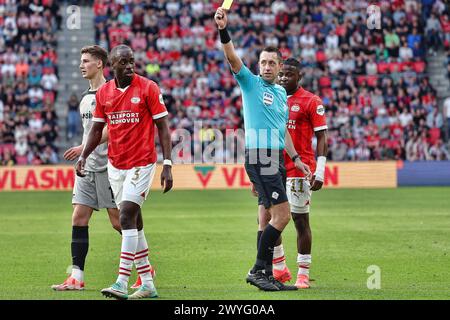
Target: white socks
141, 261
303, 262
77, 274
279, 260
128, 251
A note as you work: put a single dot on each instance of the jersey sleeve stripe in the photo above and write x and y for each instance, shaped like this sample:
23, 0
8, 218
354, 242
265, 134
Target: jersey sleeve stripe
160, 115
98, 120
321, 128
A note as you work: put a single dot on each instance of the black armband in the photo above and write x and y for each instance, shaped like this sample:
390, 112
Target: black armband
224, 35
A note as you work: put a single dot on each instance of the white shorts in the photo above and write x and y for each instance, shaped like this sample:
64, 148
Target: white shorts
299, 194
131, 185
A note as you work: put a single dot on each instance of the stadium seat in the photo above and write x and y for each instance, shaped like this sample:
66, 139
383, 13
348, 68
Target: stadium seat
434, 135
383, 67
394, 67
21, 160
372, 80
325, 82
419, 66
321, 56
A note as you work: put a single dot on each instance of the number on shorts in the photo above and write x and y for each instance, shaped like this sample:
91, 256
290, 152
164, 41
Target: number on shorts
300, 186
136, 174
300, 182
293, 187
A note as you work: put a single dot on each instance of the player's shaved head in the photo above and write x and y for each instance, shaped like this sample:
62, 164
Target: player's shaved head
117, 51
122, 62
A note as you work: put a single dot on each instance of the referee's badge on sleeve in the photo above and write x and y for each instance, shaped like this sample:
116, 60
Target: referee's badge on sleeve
268, 98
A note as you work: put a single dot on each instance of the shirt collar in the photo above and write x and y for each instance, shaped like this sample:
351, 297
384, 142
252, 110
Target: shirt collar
267, 83
124, 89
299, 91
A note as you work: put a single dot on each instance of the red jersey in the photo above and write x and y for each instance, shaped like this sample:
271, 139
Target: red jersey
306, 116
129, 114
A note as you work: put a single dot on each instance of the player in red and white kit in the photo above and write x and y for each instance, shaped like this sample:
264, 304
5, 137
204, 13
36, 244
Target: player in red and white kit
130, 105
306, 118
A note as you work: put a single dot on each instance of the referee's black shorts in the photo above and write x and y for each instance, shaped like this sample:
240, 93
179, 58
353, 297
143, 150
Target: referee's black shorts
265, 169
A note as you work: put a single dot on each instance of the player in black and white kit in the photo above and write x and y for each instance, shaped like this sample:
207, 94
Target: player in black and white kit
93, 191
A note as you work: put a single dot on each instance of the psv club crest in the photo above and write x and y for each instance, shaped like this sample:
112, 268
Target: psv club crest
295, 108
135, 100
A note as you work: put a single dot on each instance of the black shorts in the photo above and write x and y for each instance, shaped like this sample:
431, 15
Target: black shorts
265, 169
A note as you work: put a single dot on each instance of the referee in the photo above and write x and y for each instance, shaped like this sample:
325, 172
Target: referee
265, 116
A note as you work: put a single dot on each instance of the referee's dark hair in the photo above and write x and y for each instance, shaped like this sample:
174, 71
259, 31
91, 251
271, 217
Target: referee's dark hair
97, 52
271, 49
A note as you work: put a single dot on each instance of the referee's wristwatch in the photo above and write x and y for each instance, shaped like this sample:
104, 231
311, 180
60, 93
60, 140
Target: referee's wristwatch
295, 158
167, 162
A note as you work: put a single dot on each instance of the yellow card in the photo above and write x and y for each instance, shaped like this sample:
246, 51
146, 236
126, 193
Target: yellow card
227, 4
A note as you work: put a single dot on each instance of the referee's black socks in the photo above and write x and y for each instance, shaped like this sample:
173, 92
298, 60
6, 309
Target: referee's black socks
267, 242
258, 238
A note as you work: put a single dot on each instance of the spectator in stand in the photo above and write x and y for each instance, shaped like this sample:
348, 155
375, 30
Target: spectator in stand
27, 40
8, 159
433, 32
447, 114
73, 117
435, 119
49, 81
370, 81
392, 43
49, 156
438, 151
405, 53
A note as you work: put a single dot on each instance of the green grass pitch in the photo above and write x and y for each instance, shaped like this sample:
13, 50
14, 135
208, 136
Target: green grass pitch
202, 244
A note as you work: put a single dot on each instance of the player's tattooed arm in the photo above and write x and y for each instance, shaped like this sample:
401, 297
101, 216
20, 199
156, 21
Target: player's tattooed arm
164, 138
228, 48
93, 140
321, 151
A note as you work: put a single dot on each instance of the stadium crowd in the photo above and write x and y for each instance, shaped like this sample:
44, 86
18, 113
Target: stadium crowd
28, 81
373, 83
379, 100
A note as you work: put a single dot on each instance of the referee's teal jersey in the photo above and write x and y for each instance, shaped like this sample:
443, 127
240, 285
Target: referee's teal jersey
265, 111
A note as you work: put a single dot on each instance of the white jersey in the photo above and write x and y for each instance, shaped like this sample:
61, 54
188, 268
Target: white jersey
98, 159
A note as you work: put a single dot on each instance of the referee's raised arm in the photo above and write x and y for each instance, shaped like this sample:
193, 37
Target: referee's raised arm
228, 48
